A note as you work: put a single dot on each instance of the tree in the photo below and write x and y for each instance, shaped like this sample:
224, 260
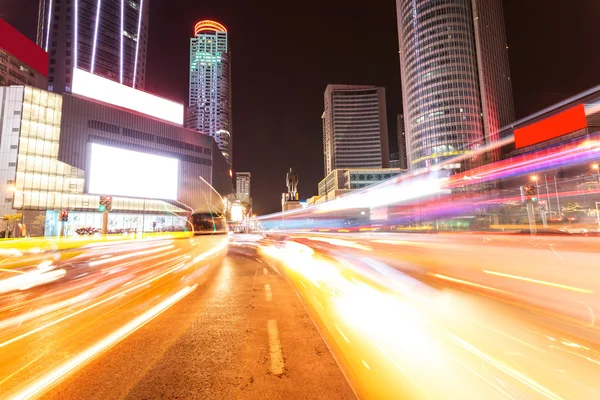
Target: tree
39, 224
247, 207
10, 221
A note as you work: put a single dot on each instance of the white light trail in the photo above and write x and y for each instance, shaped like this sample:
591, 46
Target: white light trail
137, 45
48, 28
122, 42
76, 18
95, 36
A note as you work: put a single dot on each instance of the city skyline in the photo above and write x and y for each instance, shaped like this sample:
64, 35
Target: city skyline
542, 73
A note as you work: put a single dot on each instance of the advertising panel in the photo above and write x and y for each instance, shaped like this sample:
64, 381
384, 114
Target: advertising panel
120, 172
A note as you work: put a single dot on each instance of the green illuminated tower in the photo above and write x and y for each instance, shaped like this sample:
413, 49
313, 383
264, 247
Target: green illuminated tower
209, 108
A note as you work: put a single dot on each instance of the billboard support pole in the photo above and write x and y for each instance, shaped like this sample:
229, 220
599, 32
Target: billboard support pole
105, 222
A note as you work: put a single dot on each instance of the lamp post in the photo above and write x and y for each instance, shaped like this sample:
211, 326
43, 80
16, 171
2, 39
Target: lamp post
596, 167
14, 189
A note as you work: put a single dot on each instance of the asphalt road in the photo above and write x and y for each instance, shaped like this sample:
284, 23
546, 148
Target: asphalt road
452, 316
244, 334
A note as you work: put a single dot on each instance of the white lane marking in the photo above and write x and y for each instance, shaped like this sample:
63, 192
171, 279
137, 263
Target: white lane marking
258, 260
302, 283
275, 348
268, 294
265, 272
47, 380
366, 365
342, 333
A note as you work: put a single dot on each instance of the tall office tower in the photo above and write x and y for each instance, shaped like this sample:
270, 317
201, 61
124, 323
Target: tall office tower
105, 37
242, 185
355, 131
455, 76
402, 160
209, 108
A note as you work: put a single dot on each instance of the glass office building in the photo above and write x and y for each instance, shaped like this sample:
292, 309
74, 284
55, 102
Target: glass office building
455, 77
209, 108
62, 152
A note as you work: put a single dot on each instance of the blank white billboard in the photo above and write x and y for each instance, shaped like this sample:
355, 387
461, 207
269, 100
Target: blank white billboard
107, 91
119, 172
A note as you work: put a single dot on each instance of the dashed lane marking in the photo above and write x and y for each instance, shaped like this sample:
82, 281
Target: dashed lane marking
268, 293
277, 363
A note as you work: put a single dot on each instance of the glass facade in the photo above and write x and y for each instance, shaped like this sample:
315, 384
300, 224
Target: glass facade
209, 108
354, 127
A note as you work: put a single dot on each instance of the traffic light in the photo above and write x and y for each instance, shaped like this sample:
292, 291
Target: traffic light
63, 216
105, 203
528, 192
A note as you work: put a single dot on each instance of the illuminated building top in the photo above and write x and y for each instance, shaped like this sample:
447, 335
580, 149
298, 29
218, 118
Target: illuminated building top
208, 26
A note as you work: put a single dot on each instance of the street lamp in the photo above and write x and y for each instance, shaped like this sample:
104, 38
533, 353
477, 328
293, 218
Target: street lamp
597, 169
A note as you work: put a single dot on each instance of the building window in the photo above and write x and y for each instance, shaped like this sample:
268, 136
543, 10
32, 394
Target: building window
12, 164
14, 147
17, 112
15, 129
8, 200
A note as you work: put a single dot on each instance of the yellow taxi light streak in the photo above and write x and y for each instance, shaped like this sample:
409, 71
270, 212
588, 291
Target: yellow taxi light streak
43, 310
556, 285
112, 297
341, 243
129, 255
60, 372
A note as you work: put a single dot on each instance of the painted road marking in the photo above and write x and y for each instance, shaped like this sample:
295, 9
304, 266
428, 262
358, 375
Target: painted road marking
275, 348
366, 365
265, 271
268, 294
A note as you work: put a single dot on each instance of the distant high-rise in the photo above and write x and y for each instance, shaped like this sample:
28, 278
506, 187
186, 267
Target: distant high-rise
402, 160
209, 108
105, 37
455, 76
242, 185
355, 131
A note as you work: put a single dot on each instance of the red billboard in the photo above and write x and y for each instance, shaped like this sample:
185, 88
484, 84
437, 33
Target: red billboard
22, 48
568, 121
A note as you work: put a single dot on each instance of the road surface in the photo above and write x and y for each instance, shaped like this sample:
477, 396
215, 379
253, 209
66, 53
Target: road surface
237, 330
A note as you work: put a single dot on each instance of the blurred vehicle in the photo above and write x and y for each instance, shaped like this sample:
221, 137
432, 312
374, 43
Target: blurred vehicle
207, 223
573, 229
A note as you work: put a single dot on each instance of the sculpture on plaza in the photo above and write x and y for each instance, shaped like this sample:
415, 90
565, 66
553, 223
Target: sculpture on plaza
291, 180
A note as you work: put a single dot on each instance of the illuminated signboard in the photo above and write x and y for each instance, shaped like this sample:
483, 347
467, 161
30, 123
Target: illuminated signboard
565, 122
102, 89
208, 26
120, 172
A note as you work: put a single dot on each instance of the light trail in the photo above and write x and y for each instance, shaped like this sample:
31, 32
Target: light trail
556, 285
68, 367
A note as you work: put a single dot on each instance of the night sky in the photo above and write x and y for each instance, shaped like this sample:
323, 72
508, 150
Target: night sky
285, 54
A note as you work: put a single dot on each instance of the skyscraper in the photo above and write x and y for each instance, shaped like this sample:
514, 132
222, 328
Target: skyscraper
402, 160
104, 37
455, 76
355, 131
209, 108
242, 185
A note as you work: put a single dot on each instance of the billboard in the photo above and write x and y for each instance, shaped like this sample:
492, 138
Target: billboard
568, 121
119, 172
107, 91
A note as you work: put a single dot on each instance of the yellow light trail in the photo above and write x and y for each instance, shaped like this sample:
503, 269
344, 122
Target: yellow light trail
546, 283
447, 278
52, 377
